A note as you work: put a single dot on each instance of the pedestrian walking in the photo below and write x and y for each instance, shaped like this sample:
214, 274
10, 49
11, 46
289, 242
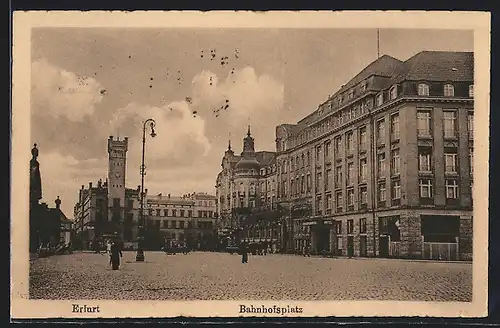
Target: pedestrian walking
115, 254
244, 253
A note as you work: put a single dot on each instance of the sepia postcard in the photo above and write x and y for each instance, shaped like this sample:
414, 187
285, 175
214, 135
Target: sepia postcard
242, 164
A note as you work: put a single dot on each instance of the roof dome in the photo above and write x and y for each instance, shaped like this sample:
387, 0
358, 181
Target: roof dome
248, 164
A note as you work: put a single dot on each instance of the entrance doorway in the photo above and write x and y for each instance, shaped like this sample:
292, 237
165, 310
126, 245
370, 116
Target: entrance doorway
350, 246
383, 242
322, 239
362, 246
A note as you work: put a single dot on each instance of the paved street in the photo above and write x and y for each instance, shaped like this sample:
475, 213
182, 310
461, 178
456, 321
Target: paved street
220, 276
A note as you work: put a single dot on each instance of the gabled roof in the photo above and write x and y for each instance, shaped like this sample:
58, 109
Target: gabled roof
437, 66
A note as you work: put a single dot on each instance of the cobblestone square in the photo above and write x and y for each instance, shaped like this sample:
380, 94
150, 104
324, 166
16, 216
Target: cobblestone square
221, 276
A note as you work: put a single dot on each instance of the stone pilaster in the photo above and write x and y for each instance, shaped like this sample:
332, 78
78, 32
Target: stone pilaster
465, 239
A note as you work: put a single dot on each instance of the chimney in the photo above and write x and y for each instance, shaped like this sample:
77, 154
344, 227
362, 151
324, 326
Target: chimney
99, 183
168, 196
138, 188
83, 187
90, 185
146, 191
58, 203
159, 195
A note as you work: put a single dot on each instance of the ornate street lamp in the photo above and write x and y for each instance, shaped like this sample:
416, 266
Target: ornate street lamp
140, 238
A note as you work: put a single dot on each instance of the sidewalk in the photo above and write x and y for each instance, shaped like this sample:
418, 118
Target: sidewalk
372, 258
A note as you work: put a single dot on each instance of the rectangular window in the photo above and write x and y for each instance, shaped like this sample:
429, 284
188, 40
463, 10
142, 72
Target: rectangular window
363, 195
174, 224
328, 178
174, 212
395, 162
396, 189
362, 138
381, 132
339, 201
425, 188
182, 213
302, 185
450, 162
424, 123
381, 192
395, 127
158, 212
181, 224
350, 226
308, 182
350, 197
318, 154
471, 161
470, 125
328, 204
450, 124
165, 212
424, 160
338, 227
165, 224
319, 205
350, 173
328, 146
338, 178
349, 142
338, 146
363, 170
451, 189
381, 165
318, 181
362, 225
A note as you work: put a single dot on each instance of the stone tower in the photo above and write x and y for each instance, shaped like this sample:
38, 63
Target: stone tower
117, 151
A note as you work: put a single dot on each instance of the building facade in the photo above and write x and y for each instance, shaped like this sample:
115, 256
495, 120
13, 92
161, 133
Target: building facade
383, 168
108, 208
247, 196
189, 220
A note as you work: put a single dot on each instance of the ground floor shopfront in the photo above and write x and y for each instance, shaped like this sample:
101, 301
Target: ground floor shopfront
413, 234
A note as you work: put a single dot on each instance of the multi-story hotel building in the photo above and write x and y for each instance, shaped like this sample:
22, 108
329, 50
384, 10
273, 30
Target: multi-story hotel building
384, 166
189, 220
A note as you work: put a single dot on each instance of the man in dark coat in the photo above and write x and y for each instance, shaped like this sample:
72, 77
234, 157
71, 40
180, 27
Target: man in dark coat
244, 253
115, 255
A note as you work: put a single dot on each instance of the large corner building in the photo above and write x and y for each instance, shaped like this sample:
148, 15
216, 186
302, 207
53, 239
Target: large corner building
382, 168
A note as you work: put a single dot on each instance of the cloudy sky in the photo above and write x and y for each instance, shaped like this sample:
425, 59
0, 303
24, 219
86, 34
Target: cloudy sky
202, 86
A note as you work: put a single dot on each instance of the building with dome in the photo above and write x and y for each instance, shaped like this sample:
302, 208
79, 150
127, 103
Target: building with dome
246, 188
382, 168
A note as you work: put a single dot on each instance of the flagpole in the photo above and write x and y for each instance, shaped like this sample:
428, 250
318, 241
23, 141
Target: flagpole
378, 43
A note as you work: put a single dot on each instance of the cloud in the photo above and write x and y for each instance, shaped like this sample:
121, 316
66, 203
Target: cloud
64, 93
242, 98
180, 135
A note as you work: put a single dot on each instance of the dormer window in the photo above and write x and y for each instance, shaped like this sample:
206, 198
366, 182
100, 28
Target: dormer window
394, 92
350, 95
340, 100
423, 89
471, 91
363, 87
449, 90
380, 99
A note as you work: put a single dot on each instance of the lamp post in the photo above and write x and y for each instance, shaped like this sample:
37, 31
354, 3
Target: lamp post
140, 238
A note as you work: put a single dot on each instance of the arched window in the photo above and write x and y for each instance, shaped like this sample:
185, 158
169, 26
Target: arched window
423, 89
394, 92
471, 91
380, 99
449, 90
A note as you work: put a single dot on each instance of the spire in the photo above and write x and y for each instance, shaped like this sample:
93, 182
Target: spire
34, 152
229, 145
248, 133
378, 43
